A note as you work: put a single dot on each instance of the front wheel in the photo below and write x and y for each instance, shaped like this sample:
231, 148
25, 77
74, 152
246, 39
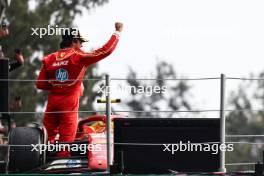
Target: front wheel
22, 155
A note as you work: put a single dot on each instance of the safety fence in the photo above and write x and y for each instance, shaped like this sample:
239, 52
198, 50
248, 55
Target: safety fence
222, 113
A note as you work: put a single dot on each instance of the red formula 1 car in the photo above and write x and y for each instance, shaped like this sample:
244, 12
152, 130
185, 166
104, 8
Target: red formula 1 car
29, 151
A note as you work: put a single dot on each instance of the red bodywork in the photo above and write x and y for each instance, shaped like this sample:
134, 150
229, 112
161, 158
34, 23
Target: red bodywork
93, 129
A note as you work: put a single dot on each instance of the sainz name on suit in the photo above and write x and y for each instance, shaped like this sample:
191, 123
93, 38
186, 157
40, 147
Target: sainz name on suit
61, 74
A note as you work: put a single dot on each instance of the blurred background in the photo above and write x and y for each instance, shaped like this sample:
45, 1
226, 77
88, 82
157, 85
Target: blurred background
162, 40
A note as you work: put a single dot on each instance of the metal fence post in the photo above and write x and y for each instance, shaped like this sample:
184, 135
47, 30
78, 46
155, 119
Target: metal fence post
222, 122
108, 124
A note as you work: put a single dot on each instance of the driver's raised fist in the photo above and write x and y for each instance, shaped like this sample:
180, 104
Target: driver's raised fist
119, 26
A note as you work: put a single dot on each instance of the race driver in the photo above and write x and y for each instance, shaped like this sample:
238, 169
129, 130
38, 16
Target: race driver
61, 74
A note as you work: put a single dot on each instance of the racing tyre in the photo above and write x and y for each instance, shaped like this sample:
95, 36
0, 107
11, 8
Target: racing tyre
24, 158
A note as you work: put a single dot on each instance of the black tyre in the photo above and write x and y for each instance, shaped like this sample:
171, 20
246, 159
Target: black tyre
23, 158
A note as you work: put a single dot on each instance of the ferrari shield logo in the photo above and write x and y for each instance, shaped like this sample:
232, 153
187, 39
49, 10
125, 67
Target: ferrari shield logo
60, 56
